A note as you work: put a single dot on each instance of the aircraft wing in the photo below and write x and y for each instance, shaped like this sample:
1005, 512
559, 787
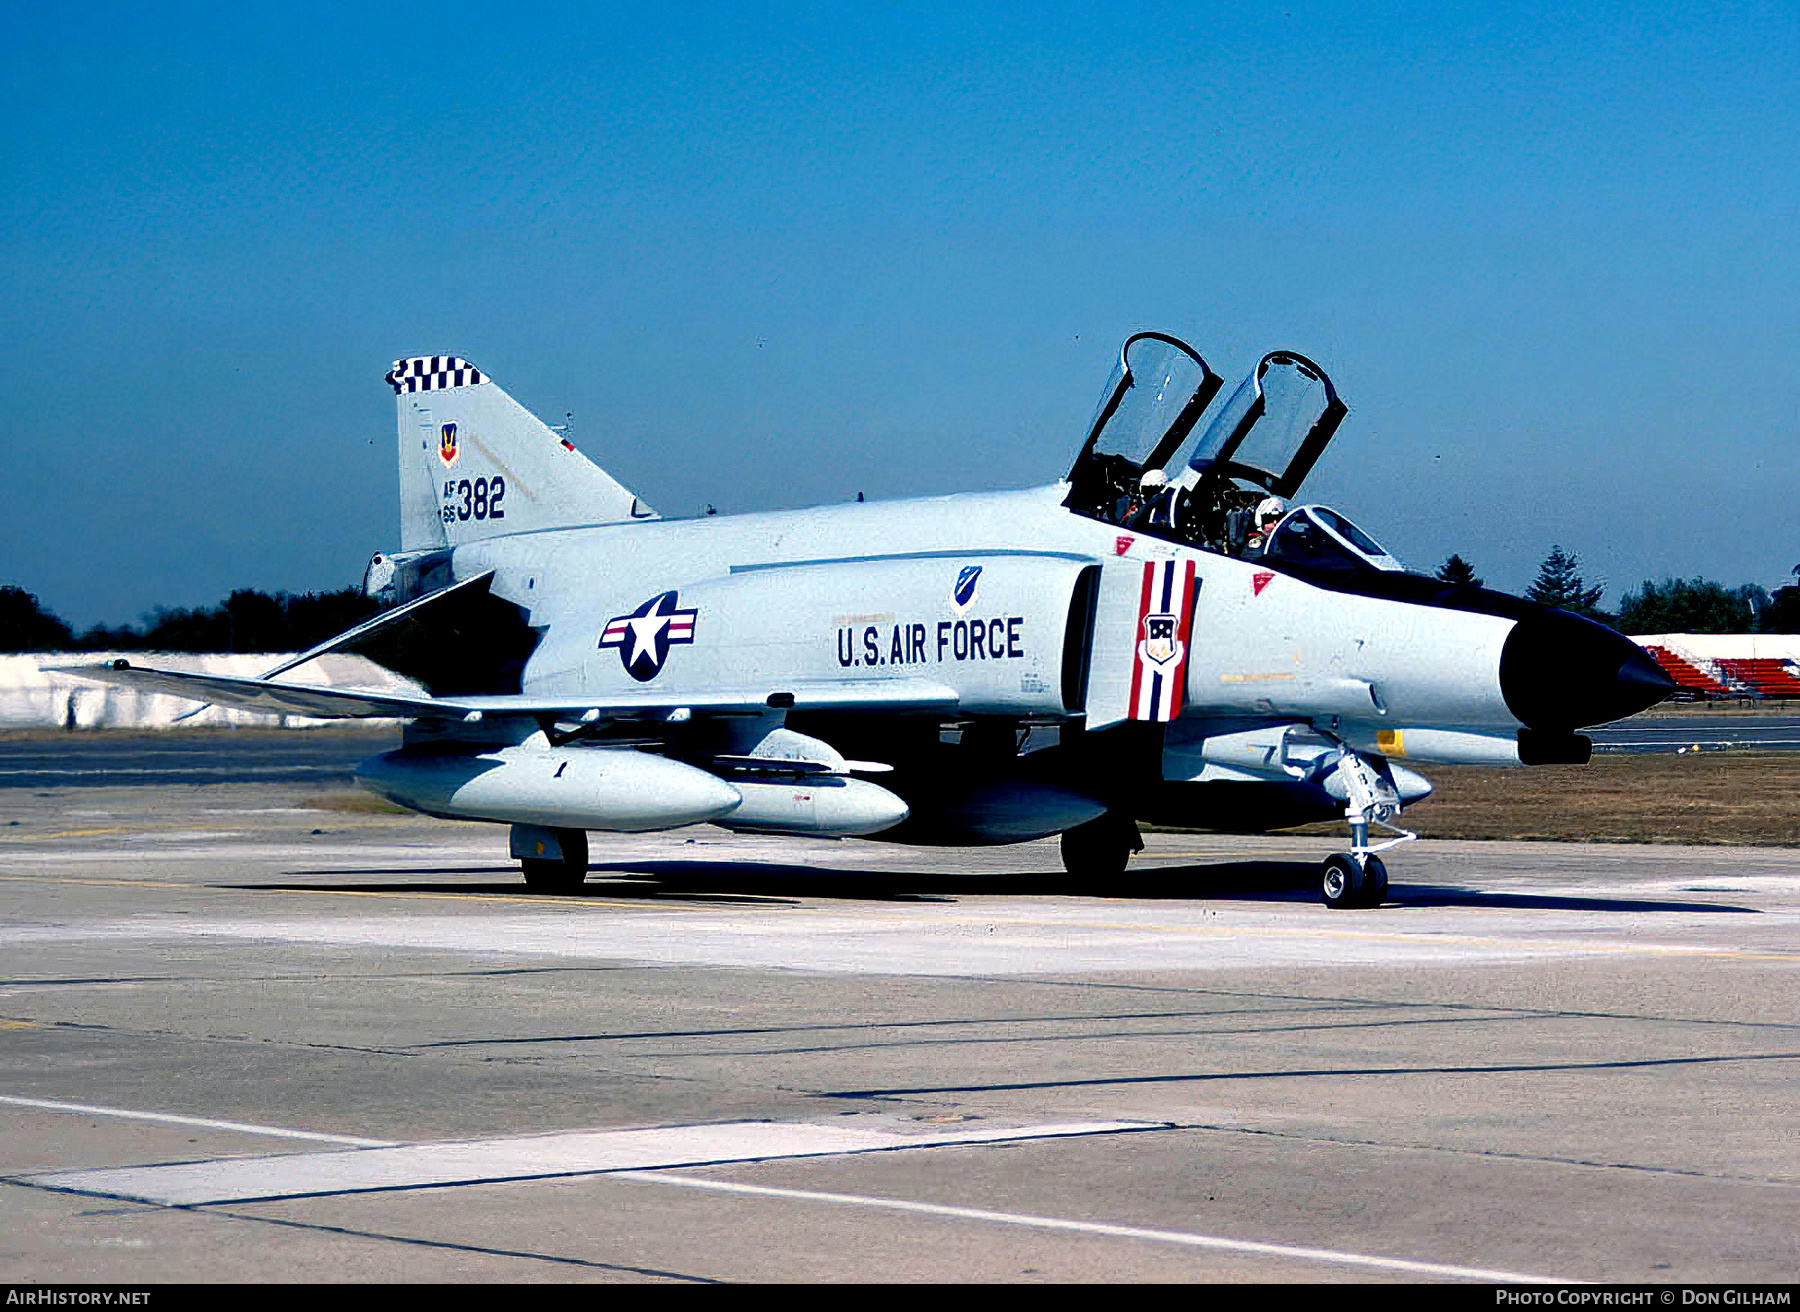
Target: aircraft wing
351, 703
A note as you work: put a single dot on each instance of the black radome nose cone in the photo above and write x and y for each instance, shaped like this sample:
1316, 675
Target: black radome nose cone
1560, 672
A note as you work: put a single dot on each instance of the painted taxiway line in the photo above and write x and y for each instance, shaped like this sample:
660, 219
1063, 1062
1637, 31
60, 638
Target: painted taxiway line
201, 1122
921, 941
1436, 1270
527, 1157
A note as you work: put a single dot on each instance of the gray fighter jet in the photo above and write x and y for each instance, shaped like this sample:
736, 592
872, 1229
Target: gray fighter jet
1162, 637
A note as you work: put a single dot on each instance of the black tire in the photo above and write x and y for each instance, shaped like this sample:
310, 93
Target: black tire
1341, 882
1101, 848
564, 876
1375, 882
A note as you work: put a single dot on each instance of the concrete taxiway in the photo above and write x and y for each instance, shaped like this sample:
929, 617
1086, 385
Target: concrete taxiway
246, 1034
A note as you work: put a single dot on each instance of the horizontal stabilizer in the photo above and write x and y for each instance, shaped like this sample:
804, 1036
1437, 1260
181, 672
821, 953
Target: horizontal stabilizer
893, 695
381, 621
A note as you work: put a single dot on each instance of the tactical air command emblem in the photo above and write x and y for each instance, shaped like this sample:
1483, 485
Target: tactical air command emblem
645, 636
447, 444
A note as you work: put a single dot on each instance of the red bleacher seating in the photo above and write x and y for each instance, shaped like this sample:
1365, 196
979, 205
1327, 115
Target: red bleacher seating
1689, 678
1765, 674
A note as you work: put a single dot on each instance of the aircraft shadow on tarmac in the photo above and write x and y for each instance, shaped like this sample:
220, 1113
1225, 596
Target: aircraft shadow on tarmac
778, 884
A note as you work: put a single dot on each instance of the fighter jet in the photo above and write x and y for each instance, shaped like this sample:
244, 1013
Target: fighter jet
1162, 636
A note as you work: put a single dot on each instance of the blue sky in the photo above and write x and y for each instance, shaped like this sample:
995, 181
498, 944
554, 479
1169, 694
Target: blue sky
774, 255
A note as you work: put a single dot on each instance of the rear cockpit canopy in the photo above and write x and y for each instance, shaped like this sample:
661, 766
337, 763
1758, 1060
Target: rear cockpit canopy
1271, 432
1219, 465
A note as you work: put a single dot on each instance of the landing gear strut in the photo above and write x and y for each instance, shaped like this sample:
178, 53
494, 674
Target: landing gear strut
1358, 878
1101, 848
554, 860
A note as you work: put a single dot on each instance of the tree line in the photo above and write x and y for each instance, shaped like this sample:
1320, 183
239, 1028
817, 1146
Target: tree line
247, 620
1693, 605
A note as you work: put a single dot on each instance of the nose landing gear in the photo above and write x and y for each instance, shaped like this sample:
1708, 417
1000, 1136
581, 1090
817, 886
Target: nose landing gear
1358, 878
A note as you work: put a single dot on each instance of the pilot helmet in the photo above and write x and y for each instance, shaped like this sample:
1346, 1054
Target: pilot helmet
1270, 508
1153, 480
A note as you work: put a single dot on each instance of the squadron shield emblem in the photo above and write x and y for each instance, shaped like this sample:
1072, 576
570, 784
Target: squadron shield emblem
1160, 643
447, 444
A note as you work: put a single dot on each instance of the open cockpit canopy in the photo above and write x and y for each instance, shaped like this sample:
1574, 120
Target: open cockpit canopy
1271, 432
1158, 390
1157, 393
1216, 467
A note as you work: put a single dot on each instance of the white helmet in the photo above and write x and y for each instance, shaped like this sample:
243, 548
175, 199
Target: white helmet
1153, 479
1270, 508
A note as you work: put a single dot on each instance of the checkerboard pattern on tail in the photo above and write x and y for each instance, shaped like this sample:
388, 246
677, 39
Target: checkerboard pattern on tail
433, 373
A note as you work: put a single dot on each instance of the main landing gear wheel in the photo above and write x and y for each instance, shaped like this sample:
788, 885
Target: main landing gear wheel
1101, 848
1344, 882
559, 876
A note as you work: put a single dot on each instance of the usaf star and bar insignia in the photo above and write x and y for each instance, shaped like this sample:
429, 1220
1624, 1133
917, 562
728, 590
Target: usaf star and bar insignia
645, 636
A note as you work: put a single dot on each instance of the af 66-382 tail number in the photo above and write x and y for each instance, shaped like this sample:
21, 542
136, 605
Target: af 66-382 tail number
478, 498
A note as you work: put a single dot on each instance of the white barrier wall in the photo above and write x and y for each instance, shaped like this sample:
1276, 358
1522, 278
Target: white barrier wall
32, 697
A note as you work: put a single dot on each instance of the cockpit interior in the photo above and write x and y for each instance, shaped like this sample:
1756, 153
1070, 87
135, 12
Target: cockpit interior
1163, 460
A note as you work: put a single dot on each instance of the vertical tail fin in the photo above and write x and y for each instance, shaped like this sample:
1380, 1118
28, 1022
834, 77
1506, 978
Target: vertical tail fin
474, 463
